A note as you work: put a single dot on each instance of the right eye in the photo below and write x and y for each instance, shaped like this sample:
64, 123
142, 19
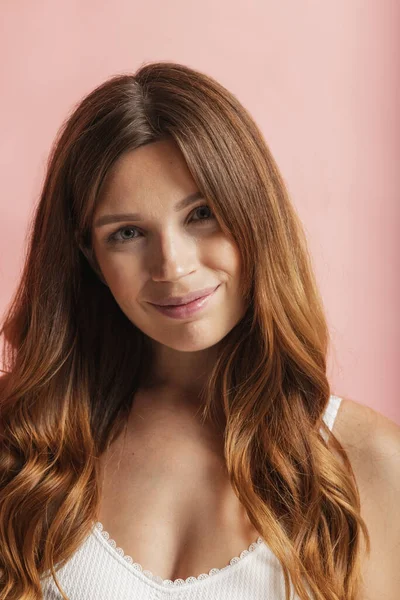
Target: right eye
113, 239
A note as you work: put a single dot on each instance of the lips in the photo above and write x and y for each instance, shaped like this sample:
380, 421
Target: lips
181, 300
188, 310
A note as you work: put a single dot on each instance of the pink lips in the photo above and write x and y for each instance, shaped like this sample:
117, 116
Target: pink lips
179, 300
186, 310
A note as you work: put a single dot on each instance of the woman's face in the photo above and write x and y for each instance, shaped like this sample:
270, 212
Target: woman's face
165, 250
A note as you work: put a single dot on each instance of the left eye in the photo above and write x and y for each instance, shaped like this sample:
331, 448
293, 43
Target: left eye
207, 208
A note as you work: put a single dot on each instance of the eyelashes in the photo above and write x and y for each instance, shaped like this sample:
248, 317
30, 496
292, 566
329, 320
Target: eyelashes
114, 239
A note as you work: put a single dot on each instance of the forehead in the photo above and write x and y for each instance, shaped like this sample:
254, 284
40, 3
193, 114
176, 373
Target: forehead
147, 171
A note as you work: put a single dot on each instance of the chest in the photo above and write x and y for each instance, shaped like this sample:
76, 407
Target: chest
166, 500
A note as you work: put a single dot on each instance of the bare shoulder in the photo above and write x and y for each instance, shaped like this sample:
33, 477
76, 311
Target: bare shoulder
372, 443
363, 429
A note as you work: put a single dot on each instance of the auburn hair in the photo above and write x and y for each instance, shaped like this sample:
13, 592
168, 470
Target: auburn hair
69, 382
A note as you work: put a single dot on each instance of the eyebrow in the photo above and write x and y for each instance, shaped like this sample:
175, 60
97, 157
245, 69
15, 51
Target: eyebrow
115, 218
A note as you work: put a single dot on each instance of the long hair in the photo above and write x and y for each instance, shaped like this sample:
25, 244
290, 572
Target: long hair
73, 359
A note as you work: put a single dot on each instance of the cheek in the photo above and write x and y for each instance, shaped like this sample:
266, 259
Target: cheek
123, 276
227, 255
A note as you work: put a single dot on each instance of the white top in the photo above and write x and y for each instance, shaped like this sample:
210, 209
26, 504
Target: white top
99, 570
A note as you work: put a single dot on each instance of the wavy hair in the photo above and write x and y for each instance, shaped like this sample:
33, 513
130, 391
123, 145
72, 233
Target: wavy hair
69, 384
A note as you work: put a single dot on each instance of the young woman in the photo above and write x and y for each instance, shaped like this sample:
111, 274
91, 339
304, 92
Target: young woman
165, 406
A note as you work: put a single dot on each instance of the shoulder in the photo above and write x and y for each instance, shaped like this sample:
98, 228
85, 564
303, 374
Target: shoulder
372, 443
368, 434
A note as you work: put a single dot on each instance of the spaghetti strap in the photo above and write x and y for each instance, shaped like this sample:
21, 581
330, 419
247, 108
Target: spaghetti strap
331, 410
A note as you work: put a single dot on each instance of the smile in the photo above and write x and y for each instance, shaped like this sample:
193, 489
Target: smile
186, 310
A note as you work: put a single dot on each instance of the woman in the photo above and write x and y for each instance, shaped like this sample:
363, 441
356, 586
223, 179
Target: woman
166, 380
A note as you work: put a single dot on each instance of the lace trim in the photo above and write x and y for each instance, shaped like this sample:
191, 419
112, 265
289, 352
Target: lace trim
175, 582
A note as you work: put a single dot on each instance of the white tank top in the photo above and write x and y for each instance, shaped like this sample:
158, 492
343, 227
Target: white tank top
99, 570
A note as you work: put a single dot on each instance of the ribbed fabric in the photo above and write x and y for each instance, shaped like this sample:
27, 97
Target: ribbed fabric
99, 570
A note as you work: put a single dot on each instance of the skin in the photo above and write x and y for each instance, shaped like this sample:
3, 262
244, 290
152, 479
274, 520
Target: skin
167, 455
170, 254
372, 443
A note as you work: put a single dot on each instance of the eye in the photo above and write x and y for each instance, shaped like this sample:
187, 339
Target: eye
205, 206
114, 238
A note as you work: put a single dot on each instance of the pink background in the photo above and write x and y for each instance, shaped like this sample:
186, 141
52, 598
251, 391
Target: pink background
321, 79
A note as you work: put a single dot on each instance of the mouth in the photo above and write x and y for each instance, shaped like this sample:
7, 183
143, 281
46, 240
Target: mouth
181, 311
180, 301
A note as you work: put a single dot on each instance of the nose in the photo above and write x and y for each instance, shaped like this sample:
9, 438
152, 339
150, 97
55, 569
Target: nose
172, 256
